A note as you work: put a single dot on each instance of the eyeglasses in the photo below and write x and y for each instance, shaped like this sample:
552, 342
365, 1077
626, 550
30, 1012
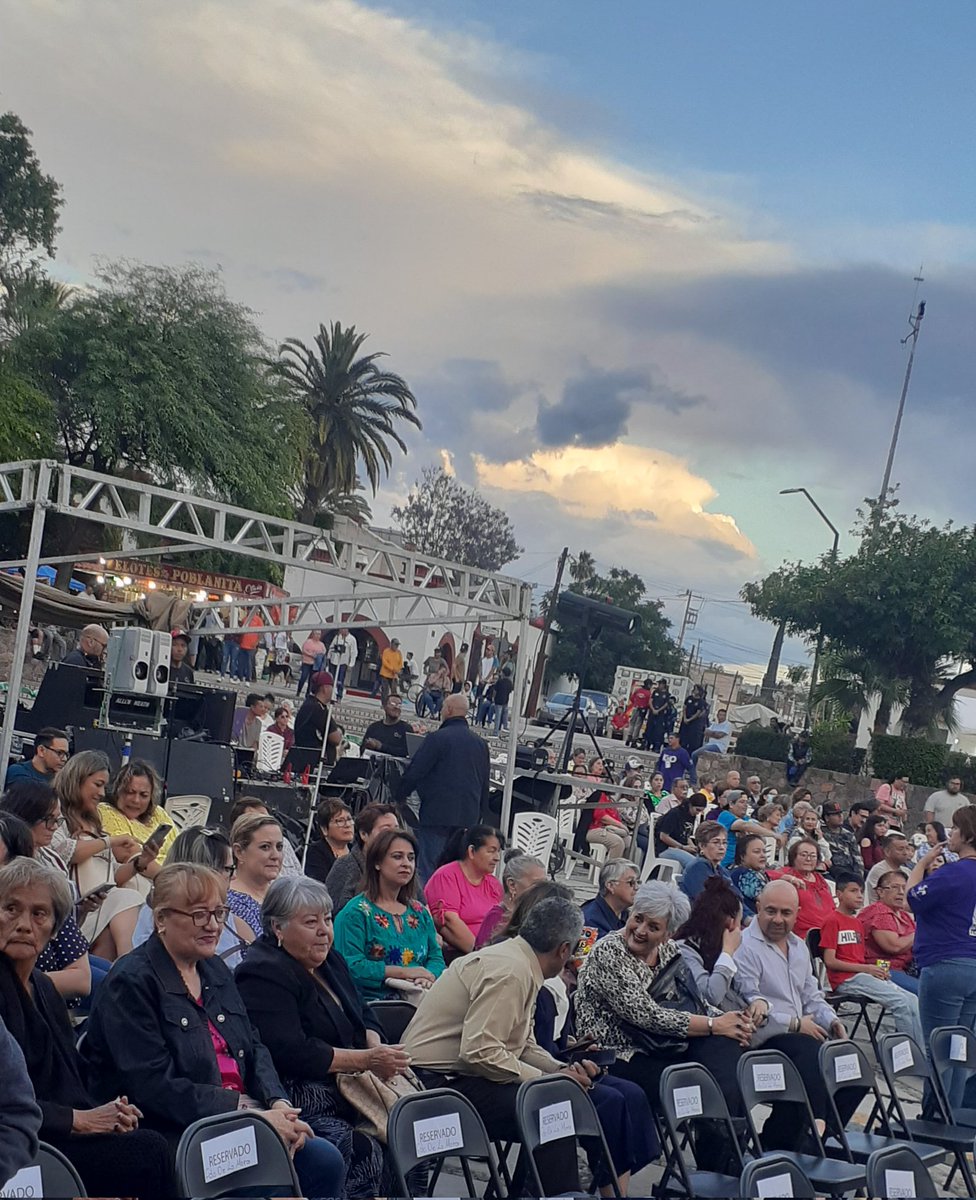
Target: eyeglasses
51, 822
201, 916
629, 882
62, 754
341, 821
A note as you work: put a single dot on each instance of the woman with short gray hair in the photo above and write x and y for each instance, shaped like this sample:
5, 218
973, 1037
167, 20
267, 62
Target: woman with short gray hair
608, 910
301, 998
521, 872
634, 998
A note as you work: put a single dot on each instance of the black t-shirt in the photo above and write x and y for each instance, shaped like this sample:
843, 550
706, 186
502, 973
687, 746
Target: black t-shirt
392, 738
310, 727
678, 823
181, 674
503, 689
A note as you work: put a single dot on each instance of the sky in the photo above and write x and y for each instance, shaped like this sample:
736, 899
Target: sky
644, 265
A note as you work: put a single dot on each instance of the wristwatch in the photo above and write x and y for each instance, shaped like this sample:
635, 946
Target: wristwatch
711, 1024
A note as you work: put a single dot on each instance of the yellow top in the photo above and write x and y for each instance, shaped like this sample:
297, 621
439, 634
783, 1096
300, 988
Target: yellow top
114, 822
392, 663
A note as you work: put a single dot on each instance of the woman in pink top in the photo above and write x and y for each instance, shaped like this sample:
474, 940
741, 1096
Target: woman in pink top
463, 889
313, 648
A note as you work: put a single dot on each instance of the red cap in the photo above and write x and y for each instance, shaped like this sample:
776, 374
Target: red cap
320, 679
181, 633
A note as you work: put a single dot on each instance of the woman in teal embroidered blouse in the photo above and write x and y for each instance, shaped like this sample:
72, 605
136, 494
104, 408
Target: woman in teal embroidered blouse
385, 933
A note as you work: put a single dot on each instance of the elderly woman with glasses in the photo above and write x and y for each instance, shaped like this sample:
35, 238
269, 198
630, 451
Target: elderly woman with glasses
304, 1004
608, 910
169, 1029
521, 871
103, 1141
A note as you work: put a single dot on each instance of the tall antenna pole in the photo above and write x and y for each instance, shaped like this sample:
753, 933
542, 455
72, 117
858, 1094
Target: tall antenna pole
915, 326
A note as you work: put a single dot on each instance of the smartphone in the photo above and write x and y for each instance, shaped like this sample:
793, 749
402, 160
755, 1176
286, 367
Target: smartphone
98, 893
157, 837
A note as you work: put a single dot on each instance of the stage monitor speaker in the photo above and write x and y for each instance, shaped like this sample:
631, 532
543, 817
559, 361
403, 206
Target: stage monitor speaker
159, 660
67, 696
201, 769
195, 709
145, 748
128, 659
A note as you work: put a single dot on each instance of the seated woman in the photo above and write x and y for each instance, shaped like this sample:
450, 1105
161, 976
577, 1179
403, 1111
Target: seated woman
608, 910
209, 848
620, 1104
808, 826
872, 834
345, 878
749, 875
463, 889
132, 806
816, 898
521, 871
114, 862
169, 1030
257, 842
254, 804
335, 833
607, 827
111, 1153
303, 1003
711, 838
385, 933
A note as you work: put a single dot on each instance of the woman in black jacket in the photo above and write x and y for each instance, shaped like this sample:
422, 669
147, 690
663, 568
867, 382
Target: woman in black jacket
111, 1153
170, 1030
302, 999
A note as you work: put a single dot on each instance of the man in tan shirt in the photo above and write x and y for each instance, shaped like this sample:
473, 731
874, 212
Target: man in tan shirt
474, 1030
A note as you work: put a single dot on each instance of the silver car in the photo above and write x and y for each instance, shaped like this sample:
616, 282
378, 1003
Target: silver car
558, 705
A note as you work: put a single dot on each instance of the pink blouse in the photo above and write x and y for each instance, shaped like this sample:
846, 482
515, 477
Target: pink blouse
449, 891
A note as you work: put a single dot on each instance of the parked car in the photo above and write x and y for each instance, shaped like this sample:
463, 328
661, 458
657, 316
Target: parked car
555, 708
605, 706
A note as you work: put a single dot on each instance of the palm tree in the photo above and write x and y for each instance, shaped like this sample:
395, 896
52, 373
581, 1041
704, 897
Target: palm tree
582, 568
353, 408
849, 682
28, 298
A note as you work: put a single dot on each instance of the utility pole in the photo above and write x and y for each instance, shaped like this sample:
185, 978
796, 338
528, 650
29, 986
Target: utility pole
690, 619
915, 327
540, 659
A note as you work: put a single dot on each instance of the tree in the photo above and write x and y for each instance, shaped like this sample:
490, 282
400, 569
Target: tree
850, 681
797, 674
353, 409
29, 200
28, 419
443, 518
582, 567
28, 298
650, 645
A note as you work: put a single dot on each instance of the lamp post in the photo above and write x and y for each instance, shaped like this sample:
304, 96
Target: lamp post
833, 558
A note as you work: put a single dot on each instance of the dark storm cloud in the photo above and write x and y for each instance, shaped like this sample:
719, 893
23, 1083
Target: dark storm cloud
597, 404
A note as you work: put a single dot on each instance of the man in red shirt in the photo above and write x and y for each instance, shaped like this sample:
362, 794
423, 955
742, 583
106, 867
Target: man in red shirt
889, 929
842, 947
640, 700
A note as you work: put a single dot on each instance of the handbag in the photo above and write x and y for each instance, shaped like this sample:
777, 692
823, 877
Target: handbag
673, 988
373, 1098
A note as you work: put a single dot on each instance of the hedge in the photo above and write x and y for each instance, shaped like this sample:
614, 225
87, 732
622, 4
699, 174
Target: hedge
834, 750
755, 741
925, 763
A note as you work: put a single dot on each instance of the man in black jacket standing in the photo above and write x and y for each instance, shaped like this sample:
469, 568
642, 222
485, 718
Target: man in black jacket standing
450, 773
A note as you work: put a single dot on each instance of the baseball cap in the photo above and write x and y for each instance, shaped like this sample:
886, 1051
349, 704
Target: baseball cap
395, 642
180, 633
633, 764
831, 808
321, 679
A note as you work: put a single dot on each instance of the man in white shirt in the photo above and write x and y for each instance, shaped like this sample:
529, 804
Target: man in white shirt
940, 806
717, 737
341, 657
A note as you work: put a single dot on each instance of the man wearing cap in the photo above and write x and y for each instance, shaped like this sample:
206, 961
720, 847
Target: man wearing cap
391, 664
90, 650
845, 854
180, 670
313, 717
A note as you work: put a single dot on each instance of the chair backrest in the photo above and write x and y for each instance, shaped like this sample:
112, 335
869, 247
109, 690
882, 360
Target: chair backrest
901, 1058
394, 1016
219, 1155
430, 1126
768, 1077
898, 1171
953, 1049
772, 850
187, 812
549, 1109
534, 834
50, 1174
843, 1064
661, 869
774, 1175
690, 1093
271, 753
812, 940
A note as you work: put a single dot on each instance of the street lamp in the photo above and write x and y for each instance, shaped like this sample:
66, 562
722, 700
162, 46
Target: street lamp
833, 558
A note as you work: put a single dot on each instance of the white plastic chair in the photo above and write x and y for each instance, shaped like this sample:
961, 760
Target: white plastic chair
188, 811
567, 827
599, 856
772, 852
667, 870
534, 834
270, 753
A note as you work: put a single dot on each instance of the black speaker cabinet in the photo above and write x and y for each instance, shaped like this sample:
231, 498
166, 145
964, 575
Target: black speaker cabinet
201, 769
152, 750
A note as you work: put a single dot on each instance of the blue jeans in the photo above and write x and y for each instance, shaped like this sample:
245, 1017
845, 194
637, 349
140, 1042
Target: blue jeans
708, 748
228, 658
304, 676
321, 1169
245, 665
900, 1005
501, 718
431, 840
682, 857
340, 681
947, 996
906, 981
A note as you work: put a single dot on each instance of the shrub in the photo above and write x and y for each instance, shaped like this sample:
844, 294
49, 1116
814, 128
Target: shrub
757, 742
923, 762
963, 766
834, 750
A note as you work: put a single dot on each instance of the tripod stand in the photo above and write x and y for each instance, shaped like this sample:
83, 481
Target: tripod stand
576, 716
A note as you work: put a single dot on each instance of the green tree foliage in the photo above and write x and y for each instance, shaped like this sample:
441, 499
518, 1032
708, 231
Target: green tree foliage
902, 605
27, 421
650, 646
444, 518
29, 200
758, 741
353, 409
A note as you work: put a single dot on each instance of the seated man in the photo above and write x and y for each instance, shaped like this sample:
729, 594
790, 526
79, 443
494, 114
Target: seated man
92, 644
898, 852
889, 930
845, 854
474, 1030
51, 752
608, 910
842, 946
674, 833
389, 736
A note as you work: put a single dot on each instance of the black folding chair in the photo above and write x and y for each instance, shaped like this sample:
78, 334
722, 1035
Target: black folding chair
58, 1176
846, 1005
201, 1166
953, 1048
902, 1058
888, 1171
694, 1107
552, 1109
778, 1175
425, 1129
845, 1065
769, 1077
394, 1016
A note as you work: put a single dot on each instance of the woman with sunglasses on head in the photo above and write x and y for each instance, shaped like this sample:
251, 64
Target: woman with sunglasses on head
257, 843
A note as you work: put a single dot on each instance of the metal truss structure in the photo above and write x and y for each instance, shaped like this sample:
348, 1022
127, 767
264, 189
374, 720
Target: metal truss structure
385, 584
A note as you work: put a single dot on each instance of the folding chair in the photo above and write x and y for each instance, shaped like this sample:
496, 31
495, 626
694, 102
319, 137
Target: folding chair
838, 1003
394, 1016
551, 1109
769, 1077
898, 1171
534, 834
844, 1065
953, 1048
427, 1128
690, 1094
210, 1148
902, 1058
773, 1176
50, 1174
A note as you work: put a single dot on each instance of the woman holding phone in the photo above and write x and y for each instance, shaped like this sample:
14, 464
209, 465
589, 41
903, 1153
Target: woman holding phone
132, 807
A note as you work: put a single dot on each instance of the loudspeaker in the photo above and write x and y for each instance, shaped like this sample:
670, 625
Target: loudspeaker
148, 749
201, 769
195, 708
158, 682
127, 660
